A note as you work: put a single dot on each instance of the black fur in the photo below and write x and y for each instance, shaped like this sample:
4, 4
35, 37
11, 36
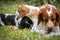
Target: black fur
9, 20
25, 22
3, 19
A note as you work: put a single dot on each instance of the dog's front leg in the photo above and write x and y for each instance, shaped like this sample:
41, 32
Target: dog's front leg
1, 22
56, 32
16, 21
35, 25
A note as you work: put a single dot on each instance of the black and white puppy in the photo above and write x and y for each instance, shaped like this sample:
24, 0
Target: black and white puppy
26, 22
9, 19
6, 19
3, 19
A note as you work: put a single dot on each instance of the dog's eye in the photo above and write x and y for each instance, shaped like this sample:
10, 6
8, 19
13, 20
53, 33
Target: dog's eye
52, 19
45, 20
23, 10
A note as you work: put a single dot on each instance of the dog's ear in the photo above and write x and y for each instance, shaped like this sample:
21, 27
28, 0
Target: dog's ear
58, 16
40, 18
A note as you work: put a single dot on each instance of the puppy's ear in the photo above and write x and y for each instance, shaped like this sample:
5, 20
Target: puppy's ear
40, 18
58, 12
58, 16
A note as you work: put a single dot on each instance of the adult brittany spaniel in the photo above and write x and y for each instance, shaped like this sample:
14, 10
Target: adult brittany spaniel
29, 11
48, 20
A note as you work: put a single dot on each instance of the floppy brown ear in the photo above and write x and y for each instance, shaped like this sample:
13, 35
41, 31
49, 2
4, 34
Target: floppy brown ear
40, 16
58, 16
58, 12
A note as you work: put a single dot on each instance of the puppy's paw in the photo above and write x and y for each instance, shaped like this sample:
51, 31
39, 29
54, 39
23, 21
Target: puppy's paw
13, 27
47, 36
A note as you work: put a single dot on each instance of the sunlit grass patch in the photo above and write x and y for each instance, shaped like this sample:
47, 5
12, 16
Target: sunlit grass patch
6, 33
11, 7
8, 8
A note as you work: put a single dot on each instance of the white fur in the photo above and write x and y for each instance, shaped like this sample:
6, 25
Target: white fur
49, 12
16, 21
35, 26
1, 22
27, 22
17, 13
55, 32
42, 28
17, 16
7, 15
31, 9
19, 20
48, 5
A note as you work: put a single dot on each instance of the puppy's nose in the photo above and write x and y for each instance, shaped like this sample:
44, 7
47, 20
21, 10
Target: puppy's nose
50, 25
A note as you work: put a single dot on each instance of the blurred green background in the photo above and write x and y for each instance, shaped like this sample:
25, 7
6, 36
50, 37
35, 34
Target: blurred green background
10, 6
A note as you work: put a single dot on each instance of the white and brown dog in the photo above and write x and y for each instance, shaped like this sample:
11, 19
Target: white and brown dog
29, 11
48, 20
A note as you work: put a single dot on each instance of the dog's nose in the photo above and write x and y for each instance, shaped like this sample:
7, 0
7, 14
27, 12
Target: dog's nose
50, 25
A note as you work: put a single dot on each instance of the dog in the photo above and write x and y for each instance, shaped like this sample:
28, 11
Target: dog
6, 19
48, 20
29, 11
26, 22
9, 19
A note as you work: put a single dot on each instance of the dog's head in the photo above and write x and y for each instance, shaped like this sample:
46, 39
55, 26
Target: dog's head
23, 10
49, 15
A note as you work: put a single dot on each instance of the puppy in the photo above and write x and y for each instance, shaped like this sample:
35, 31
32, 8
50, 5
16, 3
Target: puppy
26, 22
32, 12
3, 19
48, 20
6, 19
10, 19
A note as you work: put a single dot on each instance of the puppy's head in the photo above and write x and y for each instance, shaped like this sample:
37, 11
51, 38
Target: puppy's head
49, 15
23, 10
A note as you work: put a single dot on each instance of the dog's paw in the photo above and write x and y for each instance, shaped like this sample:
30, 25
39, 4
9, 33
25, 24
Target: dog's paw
13, 27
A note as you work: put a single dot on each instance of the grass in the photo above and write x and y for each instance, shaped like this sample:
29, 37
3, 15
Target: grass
7, 33
11, 7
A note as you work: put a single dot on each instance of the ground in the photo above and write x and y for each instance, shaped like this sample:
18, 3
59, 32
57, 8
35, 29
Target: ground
6, 33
